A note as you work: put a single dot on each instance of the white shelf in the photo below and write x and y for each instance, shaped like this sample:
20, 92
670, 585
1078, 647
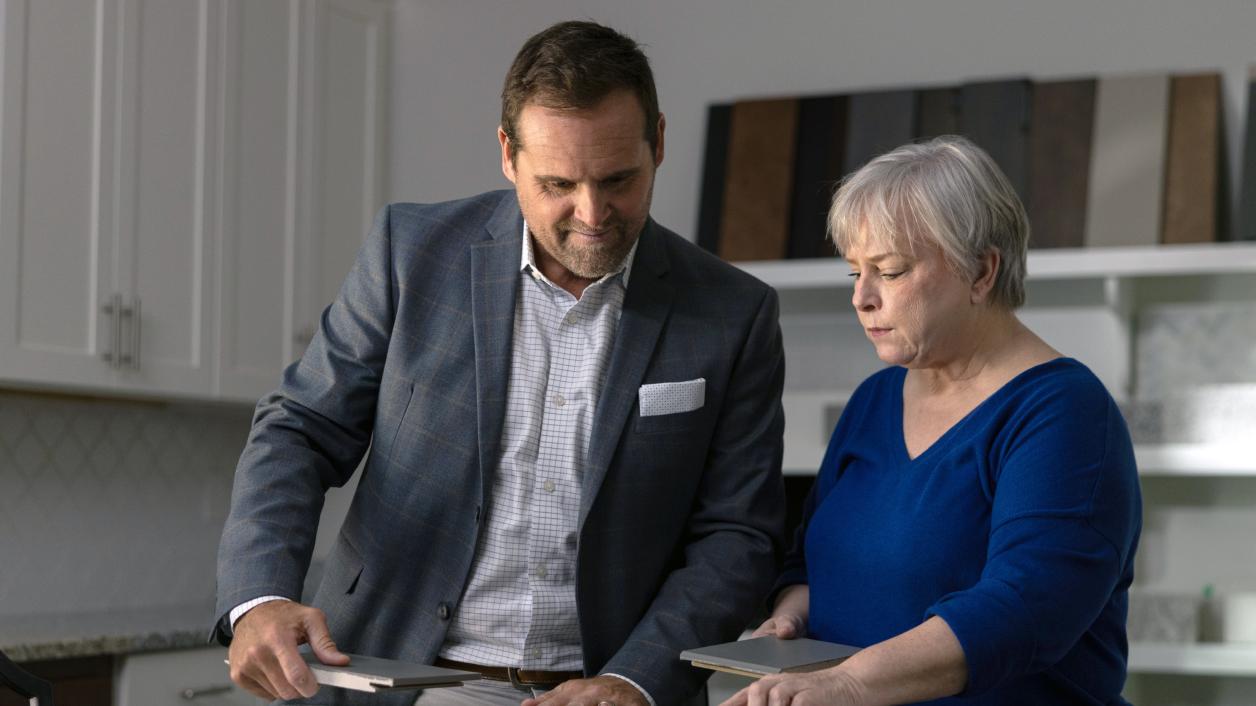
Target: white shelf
1062, 264
1203, 659
1196, 460
1191, 460
806, 428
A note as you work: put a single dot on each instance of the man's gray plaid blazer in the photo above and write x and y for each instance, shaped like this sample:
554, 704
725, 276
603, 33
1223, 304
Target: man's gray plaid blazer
681, 514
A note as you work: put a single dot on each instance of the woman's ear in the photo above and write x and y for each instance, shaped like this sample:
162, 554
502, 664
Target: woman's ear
987, 273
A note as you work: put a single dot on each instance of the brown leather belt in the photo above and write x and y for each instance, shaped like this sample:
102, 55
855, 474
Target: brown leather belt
514, 675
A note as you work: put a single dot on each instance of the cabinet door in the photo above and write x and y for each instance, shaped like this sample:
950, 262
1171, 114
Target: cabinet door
262, 158
178, 678
303, 164
57, 255
167, 158
345, 185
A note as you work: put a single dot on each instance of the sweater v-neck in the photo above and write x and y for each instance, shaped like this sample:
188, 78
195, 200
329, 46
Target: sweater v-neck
944, 439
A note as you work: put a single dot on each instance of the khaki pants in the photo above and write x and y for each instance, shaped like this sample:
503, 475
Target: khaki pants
482, 692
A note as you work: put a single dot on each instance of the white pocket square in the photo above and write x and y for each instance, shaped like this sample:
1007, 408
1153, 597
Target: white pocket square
671, 397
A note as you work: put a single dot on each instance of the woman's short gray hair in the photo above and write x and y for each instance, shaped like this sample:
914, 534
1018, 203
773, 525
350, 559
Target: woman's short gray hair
946, 192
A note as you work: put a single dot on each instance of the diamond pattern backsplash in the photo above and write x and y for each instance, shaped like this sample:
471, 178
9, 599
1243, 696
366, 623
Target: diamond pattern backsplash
109, 504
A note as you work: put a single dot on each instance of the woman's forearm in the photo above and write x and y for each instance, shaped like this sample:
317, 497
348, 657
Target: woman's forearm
926, 662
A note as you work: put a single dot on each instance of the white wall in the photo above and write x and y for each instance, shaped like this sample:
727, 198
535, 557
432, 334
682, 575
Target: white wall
450, 56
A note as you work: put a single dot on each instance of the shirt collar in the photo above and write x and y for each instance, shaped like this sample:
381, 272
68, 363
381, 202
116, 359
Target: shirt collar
528, 261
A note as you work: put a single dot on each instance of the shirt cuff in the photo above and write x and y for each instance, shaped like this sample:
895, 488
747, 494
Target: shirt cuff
246, 606
635, 685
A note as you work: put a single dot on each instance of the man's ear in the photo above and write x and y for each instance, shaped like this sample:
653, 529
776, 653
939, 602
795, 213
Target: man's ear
986, 276
508, 164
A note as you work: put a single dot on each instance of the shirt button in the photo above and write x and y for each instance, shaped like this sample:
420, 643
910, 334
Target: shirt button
569, 319
540, 571
559, 400
549, 486
442, 611
535, 652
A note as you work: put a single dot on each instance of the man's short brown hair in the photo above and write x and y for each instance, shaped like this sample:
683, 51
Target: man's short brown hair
573, 66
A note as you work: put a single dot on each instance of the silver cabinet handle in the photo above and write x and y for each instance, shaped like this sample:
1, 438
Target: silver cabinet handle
193, 694
136, 323
129, 354
124, 356
113, 310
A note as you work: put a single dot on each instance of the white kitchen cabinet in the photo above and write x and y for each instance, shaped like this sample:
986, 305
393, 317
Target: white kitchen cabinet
182, 186
103, 236
302, 174
165, 173
178, 678
57, 244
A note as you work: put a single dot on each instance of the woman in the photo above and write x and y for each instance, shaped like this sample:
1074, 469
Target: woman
975, 517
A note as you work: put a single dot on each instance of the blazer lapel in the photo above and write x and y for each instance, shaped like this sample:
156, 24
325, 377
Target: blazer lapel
646, 306
494, 275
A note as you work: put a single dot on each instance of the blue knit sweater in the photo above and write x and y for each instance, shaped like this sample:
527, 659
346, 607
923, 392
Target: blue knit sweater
1017, 527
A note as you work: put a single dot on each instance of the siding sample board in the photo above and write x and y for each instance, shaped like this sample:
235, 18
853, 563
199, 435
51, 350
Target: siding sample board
877, 122
758, 183
1059, 162
1247, 192
817, 169
1127, 161
1193, 166
995, 115
711, 203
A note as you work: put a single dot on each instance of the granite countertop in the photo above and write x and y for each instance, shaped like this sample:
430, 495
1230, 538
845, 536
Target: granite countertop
27, 638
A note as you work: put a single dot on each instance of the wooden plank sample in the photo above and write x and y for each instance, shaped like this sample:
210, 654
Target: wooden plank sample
715, 161
754, 223
877, 122
1059, 162
817, 170
1247, 190
938, 112
1193, 162
1127, 161
995, 115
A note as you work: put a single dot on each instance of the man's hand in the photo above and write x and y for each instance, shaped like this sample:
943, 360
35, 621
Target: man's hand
789, 617
595, 691
263, 655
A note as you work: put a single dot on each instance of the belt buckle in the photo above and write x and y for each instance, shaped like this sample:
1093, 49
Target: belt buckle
512, 673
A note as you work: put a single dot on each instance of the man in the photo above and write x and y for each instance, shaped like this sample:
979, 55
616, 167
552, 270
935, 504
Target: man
573, 417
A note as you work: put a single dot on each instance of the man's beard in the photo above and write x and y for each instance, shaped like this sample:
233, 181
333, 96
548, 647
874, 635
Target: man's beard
594, 260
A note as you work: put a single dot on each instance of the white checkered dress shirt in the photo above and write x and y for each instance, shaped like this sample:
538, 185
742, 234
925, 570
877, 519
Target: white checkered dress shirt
519, 606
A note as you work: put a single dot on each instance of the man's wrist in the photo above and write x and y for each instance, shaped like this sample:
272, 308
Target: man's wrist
239, 611
649, 699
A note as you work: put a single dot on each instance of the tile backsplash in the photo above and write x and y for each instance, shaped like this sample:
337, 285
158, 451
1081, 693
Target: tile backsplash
111, 504
1182, 346
1195, 373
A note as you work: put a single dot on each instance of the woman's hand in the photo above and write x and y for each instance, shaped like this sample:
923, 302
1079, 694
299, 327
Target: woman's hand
827, 687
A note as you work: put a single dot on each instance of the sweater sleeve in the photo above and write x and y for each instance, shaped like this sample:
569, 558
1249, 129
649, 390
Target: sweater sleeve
1064, 521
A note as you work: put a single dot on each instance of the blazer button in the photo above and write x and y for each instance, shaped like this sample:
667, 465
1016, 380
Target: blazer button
442, 611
